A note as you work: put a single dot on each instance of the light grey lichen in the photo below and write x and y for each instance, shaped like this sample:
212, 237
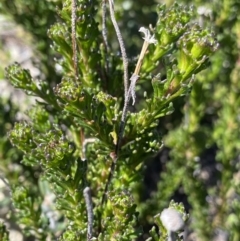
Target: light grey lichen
172, 220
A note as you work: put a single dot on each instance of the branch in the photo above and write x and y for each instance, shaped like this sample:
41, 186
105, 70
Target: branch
148, 39
122, 47
88, 201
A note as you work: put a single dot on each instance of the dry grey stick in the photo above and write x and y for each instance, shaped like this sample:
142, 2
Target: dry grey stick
89, 206
74, 42
122, 47
171, 236
125, 69
148, 39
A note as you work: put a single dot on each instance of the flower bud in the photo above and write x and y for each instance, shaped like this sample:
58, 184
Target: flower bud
195, 46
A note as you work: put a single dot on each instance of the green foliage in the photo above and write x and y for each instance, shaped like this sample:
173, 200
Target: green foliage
71, 138
36, 17
120, 217
204, 147
29, 212
3, 232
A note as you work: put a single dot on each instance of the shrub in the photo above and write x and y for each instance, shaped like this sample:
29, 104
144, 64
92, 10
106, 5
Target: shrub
91, 132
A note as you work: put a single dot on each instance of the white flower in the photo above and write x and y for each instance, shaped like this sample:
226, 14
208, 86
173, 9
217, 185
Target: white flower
148, 38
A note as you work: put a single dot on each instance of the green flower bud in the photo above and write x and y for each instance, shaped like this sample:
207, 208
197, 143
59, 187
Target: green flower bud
172, 23
20, 78
195, 48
